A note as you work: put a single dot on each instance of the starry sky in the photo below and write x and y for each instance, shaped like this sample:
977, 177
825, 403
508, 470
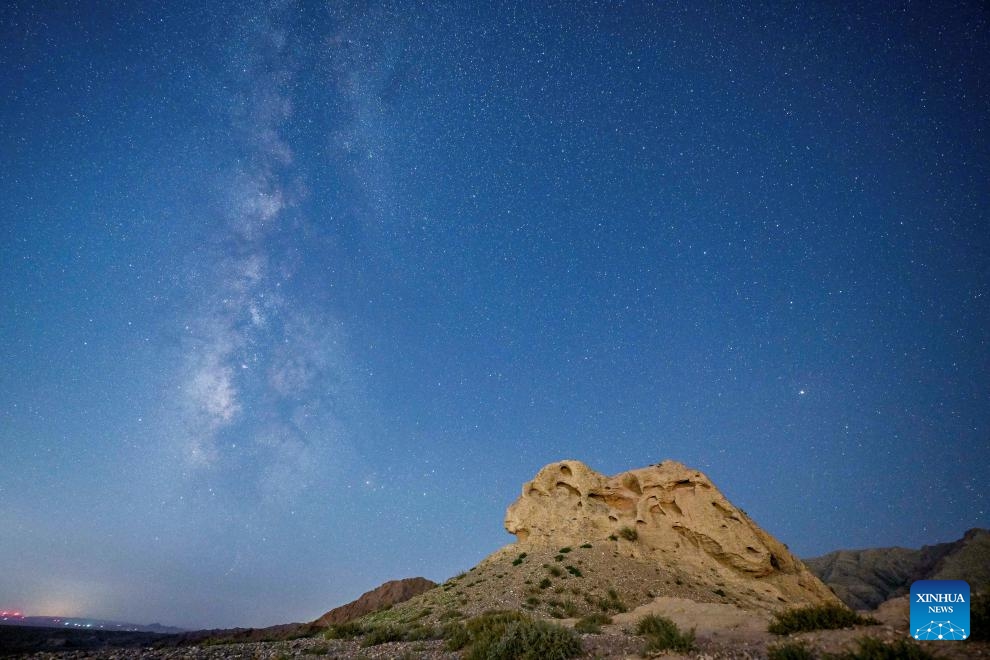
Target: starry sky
295, 296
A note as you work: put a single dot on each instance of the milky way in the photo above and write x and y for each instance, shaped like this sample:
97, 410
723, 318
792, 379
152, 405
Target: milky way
296, 295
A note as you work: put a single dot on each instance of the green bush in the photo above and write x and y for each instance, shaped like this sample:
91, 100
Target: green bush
511, 635
530, 640
348, 630
456, 635
610, 604
816, 617
790, 651
870, 648
381, 634
565, 550
585, 545
628, 533
545, 583
398, 633
592, 623
663, 634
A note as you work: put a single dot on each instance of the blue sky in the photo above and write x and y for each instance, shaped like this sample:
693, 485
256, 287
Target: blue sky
297, 295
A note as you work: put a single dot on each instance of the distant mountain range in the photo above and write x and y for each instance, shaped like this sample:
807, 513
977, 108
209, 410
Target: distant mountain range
865, 578
16, 619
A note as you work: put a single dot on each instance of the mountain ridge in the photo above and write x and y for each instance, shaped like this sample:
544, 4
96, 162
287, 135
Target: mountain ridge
865, 578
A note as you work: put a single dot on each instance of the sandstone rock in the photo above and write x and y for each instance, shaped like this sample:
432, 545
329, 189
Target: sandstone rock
390, 593
667, 514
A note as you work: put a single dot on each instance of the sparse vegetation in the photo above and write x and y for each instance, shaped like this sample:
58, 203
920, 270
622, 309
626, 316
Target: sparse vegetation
585, 545
316, 650
451, 615
512, 636
398, 632
545, 583
592, 623
870, 648
558, 558
628, 533
564, 550
611, 603
556, 572
576, 572
348, 630
613, 537
790, 651
816, 617
719, 592
518, 560
662, 634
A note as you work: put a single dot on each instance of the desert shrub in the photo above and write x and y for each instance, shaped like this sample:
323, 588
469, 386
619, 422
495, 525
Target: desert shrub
719, 592
663, 634
316, 650
449, 615
545, 583
571, 608
613, 537
381, 634
398, 633
529, 640
518, 560
555, 571
816, 617
481, 632
564, 550
870, 648
558, 558
612, 603
511, 635
348, 630
576, 572
790, 651
455, 635
585, 545
592, 623
628, 533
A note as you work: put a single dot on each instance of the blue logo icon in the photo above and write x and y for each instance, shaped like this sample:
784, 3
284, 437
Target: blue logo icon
940, 609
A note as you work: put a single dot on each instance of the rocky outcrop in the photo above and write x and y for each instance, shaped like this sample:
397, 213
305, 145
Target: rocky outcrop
388, 594
667, 514
864, 579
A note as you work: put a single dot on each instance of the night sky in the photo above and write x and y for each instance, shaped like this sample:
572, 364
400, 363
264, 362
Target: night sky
296, 296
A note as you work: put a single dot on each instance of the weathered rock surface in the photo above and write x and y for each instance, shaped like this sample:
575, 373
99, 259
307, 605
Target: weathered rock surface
668, 515
388, 594
865, 578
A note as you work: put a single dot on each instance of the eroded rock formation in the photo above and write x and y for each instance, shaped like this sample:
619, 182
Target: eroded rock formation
664, 513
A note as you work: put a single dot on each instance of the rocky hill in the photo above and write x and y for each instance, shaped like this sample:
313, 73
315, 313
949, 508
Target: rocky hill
386, 595
865, 578
589, 543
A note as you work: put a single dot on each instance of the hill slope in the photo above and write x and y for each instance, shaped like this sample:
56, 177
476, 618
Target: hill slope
590, 543
865, 578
